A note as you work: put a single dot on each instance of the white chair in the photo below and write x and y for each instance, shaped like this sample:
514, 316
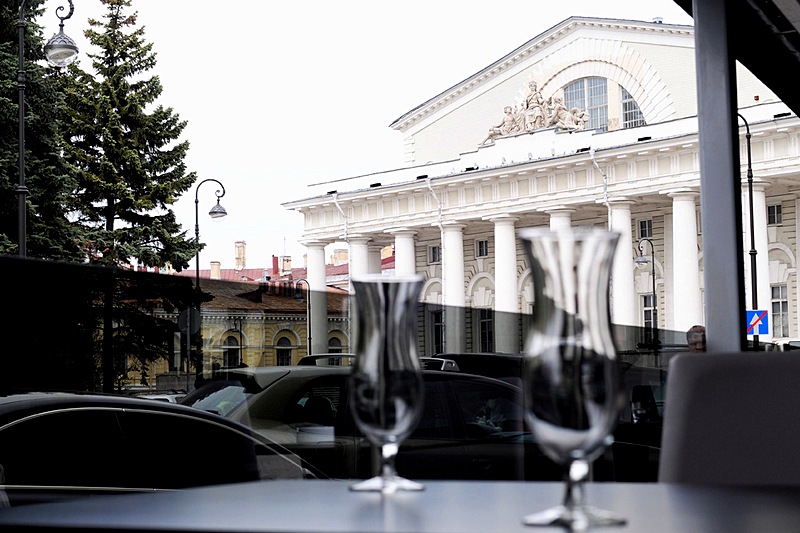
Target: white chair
732, 419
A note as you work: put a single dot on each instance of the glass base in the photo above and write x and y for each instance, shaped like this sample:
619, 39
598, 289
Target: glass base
386, 485
575, 518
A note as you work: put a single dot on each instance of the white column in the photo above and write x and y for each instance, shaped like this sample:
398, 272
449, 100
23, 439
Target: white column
623, 294
763, 287
453, 289
793, 331
687, 303
318, 296
560, 218
359, 255
375, 262
405, 262
506, 298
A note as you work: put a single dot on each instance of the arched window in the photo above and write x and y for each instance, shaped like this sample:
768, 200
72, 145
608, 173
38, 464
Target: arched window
334, 345
231, 353
284, 352
631, 114
590, 94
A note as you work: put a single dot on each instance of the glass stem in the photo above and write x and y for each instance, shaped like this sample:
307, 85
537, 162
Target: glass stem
577, 474
388, 453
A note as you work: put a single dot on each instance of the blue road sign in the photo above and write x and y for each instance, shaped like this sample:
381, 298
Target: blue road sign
757, 322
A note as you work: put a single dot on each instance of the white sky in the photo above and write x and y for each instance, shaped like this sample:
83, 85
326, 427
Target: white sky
281, 94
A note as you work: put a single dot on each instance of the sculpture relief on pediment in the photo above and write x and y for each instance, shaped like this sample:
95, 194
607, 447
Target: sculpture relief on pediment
536, 112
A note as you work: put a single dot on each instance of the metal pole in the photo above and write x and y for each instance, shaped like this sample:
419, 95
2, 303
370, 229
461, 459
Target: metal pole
753, 252
197, 255
22, 189
655, 300
308, 310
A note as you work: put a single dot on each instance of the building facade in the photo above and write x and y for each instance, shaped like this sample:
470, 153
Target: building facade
591, 123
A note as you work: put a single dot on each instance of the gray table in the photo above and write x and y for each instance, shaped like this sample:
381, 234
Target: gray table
444, 507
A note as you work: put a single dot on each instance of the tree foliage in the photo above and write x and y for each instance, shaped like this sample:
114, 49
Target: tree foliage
126, 149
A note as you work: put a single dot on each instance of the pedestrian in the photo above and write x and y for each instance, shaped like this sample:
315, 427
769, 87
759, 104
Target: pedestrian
696, 338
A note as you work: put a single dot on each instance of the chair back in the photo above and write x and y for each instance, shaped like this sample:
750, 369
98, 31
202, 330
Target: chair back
732, 419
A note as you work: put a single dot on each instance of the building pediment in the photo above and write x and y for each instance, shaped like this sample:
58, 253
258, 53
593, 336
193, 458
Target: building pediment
639, 56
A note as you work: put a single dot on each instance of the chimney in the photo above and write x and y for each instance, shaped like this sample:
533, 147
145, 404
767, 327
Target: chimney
216, 271
275, 265
240, 259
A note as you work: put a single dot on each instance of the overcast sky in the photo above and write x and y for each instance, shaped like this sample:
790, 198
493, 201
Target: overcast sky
281, 94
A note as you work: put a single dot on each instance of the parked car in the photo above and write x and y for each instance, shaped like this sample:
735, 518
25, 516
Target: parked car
163, 397
62, 445
435, 363
327, 359
305, 408
472, 426
638, 432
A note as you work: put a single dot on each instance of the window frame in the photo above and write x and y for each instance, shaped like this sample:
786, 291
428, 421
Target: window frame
434, 254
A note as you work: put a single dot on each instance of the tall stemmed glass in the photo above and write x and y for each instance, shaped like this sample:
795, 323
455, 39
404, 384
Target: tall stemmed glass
386, 385
571, 384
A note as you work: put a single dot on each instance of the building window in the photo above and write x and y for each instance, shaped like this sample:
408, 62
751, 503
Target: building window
631, 114
646, 229
591, 95
437, 331
774, 214
650, 315
434, 254
780, 311
481, 248
486, 330
334, 345
230, 354
283, 353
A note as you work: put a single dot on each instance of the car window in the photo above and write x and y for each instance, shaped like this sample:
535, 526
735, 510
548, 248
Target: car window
219, 397
436, 421
317, 402
83, 448
125, 448
488, 407
194, 452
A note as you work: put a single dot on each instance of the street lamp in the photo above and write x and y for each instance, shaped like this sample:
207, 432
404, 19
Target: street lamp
753, 252
216, 212
298, 295
60, 51
643, 260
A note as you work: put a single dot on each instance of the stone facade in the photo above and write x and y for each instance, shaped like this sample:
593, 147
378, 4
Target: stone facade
453, 212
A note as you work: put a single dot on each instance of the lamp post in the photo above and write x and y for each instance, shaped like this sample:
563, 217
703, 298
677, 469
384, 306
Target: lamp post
299, 296
216, 212
60, 51
753, 252
643, 260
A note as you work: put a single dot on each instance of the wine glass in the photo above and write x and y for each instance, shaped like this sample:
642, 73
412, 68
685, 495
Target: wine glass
386, 385
572, 387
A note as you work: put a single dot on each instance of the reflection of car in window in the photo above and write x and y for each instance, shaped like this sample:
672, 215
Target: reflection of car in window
472, 426
57, 445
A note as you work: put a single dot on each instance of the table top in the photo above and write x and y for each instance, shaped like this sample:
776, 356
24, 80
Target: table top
306, 506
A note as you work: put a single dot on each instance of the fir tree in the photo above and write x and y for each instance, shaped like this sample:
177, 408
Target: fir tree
129, 160
49, 180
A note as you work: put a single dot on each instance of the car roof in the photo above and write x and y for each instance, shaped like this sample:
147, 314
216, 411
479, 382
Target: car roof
320, 359
263, 376
18, 405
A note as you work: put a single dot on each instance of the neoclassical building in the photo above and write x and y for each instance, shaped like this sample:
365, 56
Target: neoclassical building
591, 123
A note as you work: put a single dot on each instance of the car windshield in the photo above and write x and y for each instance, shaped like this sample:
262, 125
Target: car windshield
219, 397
